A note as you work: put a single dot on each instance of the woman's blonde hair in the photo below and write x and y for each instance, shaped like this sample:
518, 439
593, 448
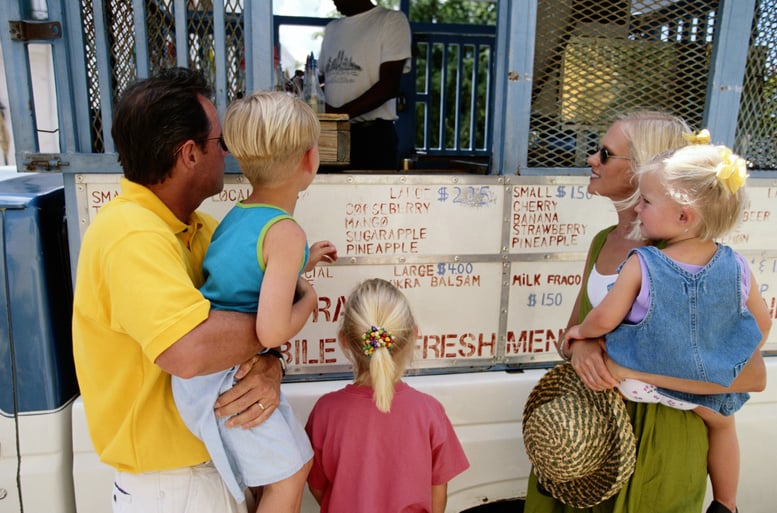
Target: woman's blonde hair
698, 176
650, 133
268, 132
374, 305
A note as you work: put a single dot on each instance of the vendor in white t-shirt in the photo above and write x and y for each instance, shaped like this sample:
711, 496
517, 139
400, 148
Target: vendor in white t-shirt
363, 57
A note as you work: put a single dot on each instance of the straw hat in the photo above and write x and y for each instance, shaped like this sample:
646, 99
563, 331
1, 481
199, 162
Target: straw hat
580, 442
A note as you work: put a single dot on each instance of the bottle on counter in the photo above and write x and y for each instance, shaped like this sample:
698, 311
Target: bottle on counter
312, 92
279, 81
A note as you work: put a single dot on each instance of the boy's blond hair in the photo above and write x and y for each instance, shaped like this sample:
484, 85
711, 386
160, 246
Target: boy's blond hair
268, 132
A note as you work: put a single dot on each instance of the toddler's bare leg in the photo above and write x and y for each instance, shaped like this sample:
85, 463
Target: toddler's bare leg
723, 456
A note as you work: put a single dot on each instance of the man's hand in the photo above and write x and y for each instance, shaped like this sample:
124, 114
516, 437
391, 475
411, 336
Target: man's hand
255, 396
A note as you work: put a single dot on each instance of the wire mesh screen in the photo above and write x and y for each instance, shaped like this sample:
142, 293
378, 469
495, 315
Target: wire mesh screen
597, 58
121, 43
757, 122
160, 34
92, 77
160, 44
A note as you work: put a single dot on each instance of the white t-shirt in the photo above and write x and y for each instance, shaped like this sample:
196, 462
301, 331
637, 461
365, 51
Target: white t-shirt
353, 49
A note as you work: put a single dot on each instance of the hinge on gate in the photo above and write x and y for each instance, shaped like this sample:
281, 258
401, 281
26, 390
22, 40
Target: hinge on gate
24, 30
43, 162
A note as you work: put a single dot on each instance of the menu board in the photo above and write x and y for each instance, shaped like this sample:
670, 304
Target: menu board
756, 231
491, 265
437, 292
542, 294
555, 217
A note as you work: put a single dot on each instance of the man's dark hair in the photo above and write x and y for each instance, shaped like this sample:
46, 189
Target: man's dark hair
154, 117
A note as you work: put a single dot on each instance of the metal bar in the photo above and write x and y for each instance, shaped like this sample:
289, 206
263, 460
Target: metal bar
63, 91
727, 69
78, 79
457, 96
219, 47
141, 38
516, 31
489, 103
443, 90
249, 29
427, 81
20, 97
181, 34
473, 104
104, 78
261, 45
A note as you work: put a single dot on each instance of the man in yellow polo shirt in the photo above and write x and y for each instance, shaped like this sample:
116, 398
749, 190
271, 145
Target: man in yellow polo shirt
138, 315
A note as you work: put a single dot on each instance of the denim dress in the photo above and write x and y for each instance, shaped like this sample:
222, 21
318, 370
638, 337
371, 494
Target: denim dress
696, 327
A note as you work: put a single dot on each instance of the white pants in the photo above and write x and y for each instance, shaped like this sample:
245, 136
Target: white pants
197, 489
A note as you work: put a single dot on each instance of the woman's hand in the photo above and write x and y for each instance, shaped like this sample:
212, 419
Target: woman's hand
617, 371
588, 360
257, 393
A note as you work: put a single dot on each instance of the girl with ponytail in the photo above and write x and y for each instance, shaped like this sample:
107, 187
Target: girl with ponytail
379, 444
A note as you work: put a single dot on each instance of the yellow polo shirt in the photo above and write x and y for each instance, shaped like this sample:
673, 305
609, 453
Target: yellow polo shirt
136, 294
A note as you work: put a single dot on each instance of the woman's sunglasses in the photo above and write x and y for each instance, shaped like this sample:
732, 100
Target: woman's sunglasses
605, 155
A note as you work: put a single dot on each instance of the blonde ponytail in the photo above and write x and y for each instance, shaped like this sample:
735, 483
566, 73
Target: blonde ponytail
378, 334
382, 372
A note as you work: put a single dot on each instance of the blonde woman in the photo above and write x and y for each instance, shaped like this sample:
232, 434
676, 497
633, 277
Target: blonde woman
671, 469
691, 309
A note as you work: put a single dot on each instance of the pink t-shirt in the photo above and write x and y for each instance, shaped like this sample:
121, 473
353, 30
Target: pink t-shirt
366, 460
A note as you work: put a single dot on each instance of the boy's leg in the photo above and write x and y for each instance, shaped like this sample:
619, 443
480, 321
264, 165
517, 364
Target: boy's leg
723, 457
285, 496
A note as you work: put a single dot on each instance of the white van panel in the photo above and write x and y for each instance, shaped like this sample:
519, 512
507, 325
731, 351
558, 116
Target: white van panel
486, 409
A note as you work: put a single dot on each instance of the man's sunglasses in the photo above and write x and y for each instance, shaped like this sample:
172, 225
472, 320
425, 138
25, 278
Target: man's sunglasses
605, 155
220, 139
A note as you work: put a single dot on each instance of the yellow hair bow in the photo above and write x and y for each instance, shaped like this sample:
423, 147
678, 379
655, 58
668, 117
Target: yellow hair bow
700, 137
732, 171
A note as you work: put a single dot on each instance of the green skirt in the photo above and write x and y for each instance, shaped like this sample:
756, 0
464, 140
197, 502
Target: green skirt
671, 471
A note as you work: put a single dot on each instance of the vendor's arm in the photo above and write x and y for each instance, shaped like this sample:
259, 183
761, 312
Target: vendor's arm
386, 88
